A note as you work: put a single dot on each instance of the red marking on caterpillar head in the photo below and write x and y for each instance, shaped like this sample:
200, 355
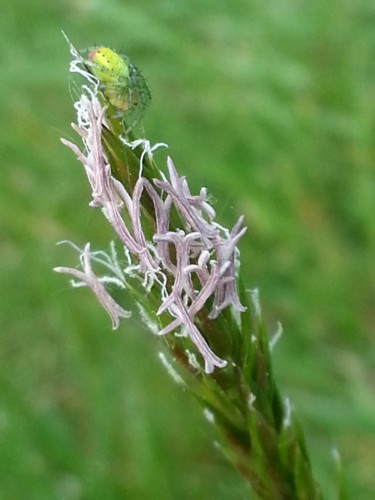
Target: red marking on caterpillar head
93, 53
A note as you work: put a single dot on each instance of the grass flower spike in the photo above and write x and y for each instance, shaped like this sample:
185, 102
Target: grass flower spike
181, 268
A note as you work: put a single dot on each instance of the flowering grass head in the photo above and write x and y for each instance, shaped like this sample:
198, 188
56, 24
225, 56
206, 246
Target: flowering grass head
180, 252
181, 267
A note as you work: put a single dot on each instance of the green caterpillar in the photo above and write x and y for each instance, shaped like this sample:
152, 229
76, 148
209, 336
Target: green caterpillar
121, 83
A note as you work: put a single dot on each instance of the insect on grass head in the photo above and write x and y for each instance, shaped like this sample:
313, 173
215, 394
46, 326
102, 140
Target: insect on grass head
121, 83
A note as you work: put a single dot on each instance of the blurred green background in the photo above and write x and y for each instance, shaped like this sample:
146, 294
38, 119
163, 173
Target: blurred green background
270, 105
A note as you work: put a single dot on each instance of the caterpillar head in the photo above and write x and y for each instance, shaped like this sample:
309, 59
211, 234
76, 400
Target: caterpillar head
108, 66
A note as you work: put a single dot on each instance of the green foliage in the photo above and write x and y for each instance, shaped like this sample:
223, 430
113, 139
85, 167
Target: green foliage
268, 105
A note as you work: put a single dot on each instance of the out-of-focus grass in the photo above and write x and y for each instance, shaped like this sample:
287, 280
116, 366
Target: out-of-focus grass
271, 106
